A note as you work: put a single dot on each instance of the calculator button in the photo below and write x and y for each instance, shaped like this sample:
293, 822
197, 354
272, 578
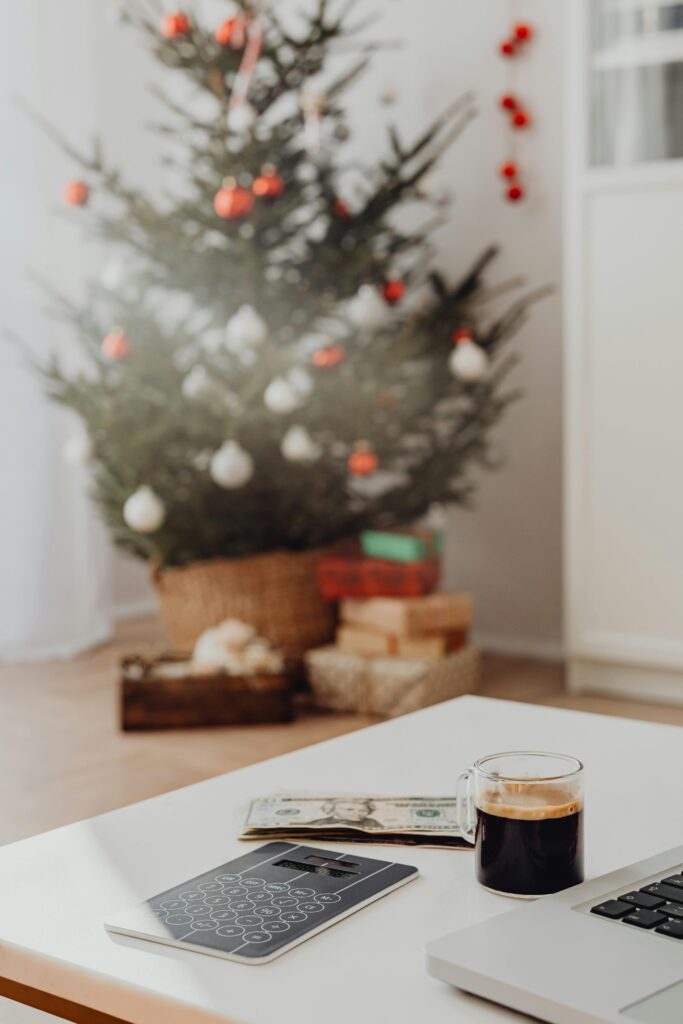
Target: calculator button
283, 901
253, 883
172, 905
269, 911
204, 924
230, 931
223, 915
311, 908
197, 909
192, 894
248, 921
260, 897
328, 897
242, 906
275, 926
161, 914
292, 916
235, 890
256, 937
210, 886
277, 887
178, 919
217, 901
228, 878
302, 893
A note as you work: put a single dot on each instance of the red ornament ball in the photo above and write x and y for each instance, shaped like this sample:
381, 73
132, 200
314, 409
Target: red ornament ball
509, 169
116, 346
462, 334
77, 193
174, 25
507, 49
523, 31
269, 184
341, 210
393, 291
521, 119
362, 461
508, 101
233, 201
328, 357
232, 33
515, 193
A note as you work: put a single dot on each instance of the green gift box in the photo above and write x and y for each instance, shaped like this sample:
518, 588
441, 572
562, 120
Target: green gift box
402, 545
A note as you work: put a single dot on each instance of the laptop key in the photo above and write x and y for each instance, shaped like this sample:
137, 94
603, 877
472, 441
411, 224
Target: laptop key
676, 880
667, 892
672, 910
645, 919
612, 908
672, 928
643, 900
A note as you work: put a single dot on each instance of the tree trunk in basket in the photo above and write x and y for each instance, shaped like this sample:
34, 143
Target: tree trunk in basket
277, 593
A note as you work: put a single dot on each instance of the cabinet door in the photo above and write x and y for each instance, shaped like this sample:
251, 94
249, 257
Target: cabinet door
630, 593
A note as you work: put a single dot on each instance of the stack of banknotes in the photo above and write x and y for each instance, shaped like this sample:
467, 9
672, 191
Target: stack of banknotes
380, 820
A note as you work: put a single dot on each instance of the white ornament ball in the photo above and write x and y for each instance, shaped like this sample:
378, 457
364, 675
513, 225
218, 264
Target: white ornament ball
245, 328
301, 381
468, 361
280, 397
298, 446
197, 383
241, 119
231, 467
78, 450
144, 511
367, 309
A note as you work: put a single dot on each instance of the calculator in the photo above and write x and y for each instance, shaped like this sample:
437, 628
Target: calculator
257, 907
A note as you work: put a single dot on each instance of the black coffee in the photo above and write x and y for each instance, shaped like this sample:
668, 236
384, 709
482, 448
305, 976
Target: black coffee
529, 856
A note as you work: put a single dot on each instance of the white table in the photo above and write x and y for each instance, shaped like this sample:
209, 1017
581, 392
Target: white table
58, 887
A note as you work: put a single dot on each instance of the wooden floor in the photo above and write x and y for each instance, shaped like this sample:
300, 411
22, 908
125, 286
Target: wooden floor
62, 756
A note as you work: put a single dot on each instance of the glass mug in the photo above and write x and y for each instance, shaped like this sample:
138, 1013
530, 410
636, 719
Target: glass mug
523, 811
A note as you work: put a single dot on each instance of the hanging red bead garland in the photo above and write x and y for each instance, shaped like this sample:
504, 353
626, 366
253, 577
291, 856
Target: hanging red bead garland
519, 118
174, 25
77, 193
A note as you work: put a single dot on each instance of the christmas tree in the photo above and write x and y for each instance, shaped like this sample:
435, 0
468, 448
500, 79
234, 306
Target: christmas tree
274, 362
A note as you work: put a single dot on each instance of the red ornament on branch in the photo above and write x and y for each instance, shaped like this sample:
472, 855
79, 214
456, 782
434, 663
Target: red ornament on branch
341, 210
232, 32
328, 357
362, 461
77, 193
174, 25
116, 346
393, 291
269, 184
232, 201
461, 334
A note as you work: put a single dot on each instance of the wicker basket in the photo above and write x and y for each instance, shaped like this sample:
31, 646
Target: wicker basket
276, 593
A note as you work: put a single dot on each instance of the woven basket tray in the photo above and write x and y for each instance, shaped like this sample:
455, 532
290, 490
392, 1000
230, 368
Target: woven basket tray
276, 593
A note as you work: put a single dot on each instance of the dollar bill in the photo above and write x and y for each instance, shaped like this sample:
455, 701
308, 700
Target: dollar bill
412, 820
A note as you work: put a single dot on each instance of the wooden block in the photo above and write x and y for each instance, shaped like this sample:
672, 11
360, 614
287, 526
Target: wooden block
370, 643
175, 701
434, 613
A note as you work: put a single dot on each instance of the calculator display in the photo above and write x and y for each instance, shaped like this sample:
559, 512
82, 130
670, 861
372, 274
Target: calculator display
296, 865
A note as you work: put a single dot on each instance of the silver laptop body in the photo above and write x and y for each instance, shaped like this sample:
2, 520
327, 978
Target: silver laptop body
555, 960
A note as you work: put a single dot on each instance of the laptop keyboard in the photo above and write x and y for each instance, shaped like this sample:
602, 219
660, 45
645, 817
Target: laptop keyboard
657, 907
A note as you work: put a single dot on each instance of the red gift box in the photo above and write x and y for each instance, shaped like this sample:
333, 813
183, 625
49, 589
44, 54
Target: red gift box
352, 575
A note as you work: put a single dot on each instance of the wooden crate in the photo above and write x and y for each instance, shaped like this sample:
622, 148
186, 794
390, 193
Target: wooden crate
151, 701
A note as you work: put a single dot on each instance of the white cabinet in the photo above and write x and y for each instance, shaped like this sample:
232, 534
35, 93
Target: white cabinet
624, 348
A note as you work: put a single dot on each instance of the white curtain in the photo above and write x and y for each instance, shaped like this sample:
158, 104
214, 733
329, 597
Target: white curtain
54, 555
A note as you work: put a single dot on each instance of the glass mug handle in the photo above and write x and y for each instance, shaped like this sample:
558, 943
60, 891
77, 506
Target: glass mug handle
464, 809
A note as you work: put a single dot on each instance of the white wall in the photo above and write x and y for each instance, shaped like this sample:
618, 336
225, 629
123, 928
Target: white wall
508, 550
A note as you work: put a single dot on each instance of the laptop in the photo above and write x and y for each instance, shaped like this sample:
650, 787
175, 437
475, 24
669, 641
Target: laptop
607, 951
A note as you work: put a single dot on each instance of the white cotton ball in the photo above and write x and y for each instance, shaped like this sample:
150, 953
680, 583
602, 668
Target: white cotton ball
301, 381
197, 383
367, 309
79, 450
144, 511
241, 119
220, 645
280, 397
468, 362
245, 328
231, 467
298, 446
